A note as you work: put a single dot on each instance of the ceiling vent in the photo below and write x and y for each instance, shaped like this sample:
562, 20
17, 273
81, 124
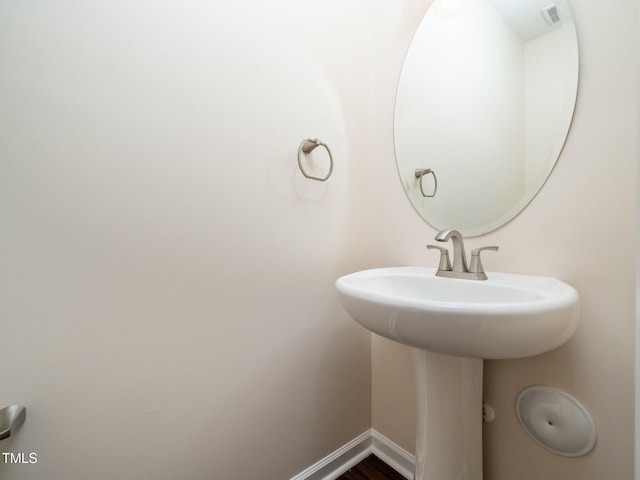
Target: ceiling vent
550, 14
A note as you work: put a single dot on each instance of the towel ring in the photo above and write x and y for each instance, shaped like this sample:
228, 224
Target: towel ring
307, 146
421, 172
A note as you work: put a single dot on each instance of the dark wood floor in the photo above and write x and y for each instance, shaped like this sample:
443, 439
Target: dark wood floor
371, 468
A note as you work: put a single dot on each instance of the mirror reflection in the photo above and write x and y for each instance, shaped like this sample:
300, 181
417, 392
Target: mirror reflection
484, 101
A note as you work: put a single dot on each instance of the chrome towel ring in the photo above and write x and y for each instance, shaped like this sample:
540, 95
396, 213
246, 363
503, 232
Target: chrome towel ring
306, 147
421, 172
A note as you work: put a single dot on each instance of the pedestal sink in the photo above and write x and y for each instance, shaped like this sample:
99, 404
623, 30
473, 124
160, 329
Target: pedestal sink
452, 325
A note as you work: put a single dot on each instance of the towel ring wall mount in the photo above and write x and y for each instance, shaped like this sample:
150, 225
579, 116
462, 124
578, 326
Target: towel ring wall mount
306, 147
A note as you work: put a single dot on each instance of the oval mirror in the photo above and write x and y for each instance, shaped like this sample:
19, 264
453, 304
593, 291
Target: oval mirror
483, 108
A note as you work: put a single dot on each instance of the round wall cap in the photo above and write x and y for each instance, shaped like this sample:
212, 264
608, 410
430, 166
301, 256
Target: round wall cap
556, 421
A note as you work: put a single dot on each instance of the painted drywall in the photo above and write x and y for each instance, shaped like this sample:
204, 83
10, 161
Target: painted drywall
167, 273
580, 228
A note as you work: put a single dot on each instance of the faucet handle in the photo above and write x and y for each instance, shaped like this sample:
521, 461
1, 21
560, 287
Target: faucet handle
445, 263
475, 264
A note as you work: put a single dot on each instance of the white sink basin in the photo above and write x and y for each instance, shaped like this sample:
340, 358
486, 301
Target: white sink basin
506, 316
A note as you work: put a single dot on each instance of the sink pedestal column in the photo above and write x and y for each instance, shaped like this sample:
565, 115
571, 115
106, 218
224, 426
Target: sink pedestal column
449, 414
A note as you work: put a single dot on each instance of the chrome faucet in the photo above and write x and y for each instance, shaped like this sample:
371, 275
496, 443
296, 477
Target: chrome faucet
459, 257
460, 268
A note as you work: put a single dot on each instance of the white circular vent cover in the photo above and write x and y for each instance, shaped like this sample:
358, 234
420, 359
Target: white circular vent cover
556, 421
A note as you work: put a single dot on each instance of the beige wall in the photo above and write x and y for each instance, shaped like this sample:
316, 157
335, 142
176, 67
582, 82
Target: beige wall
167, 273
580, 228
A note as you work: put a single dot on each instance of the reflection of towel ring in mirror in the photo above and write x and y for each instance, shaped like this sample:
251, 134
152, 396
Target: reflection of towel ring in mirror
307, 146
421, 172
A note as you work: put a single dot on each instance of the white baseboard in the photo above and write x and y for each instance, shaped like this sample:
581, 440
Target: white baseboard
393, 454
352, 453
